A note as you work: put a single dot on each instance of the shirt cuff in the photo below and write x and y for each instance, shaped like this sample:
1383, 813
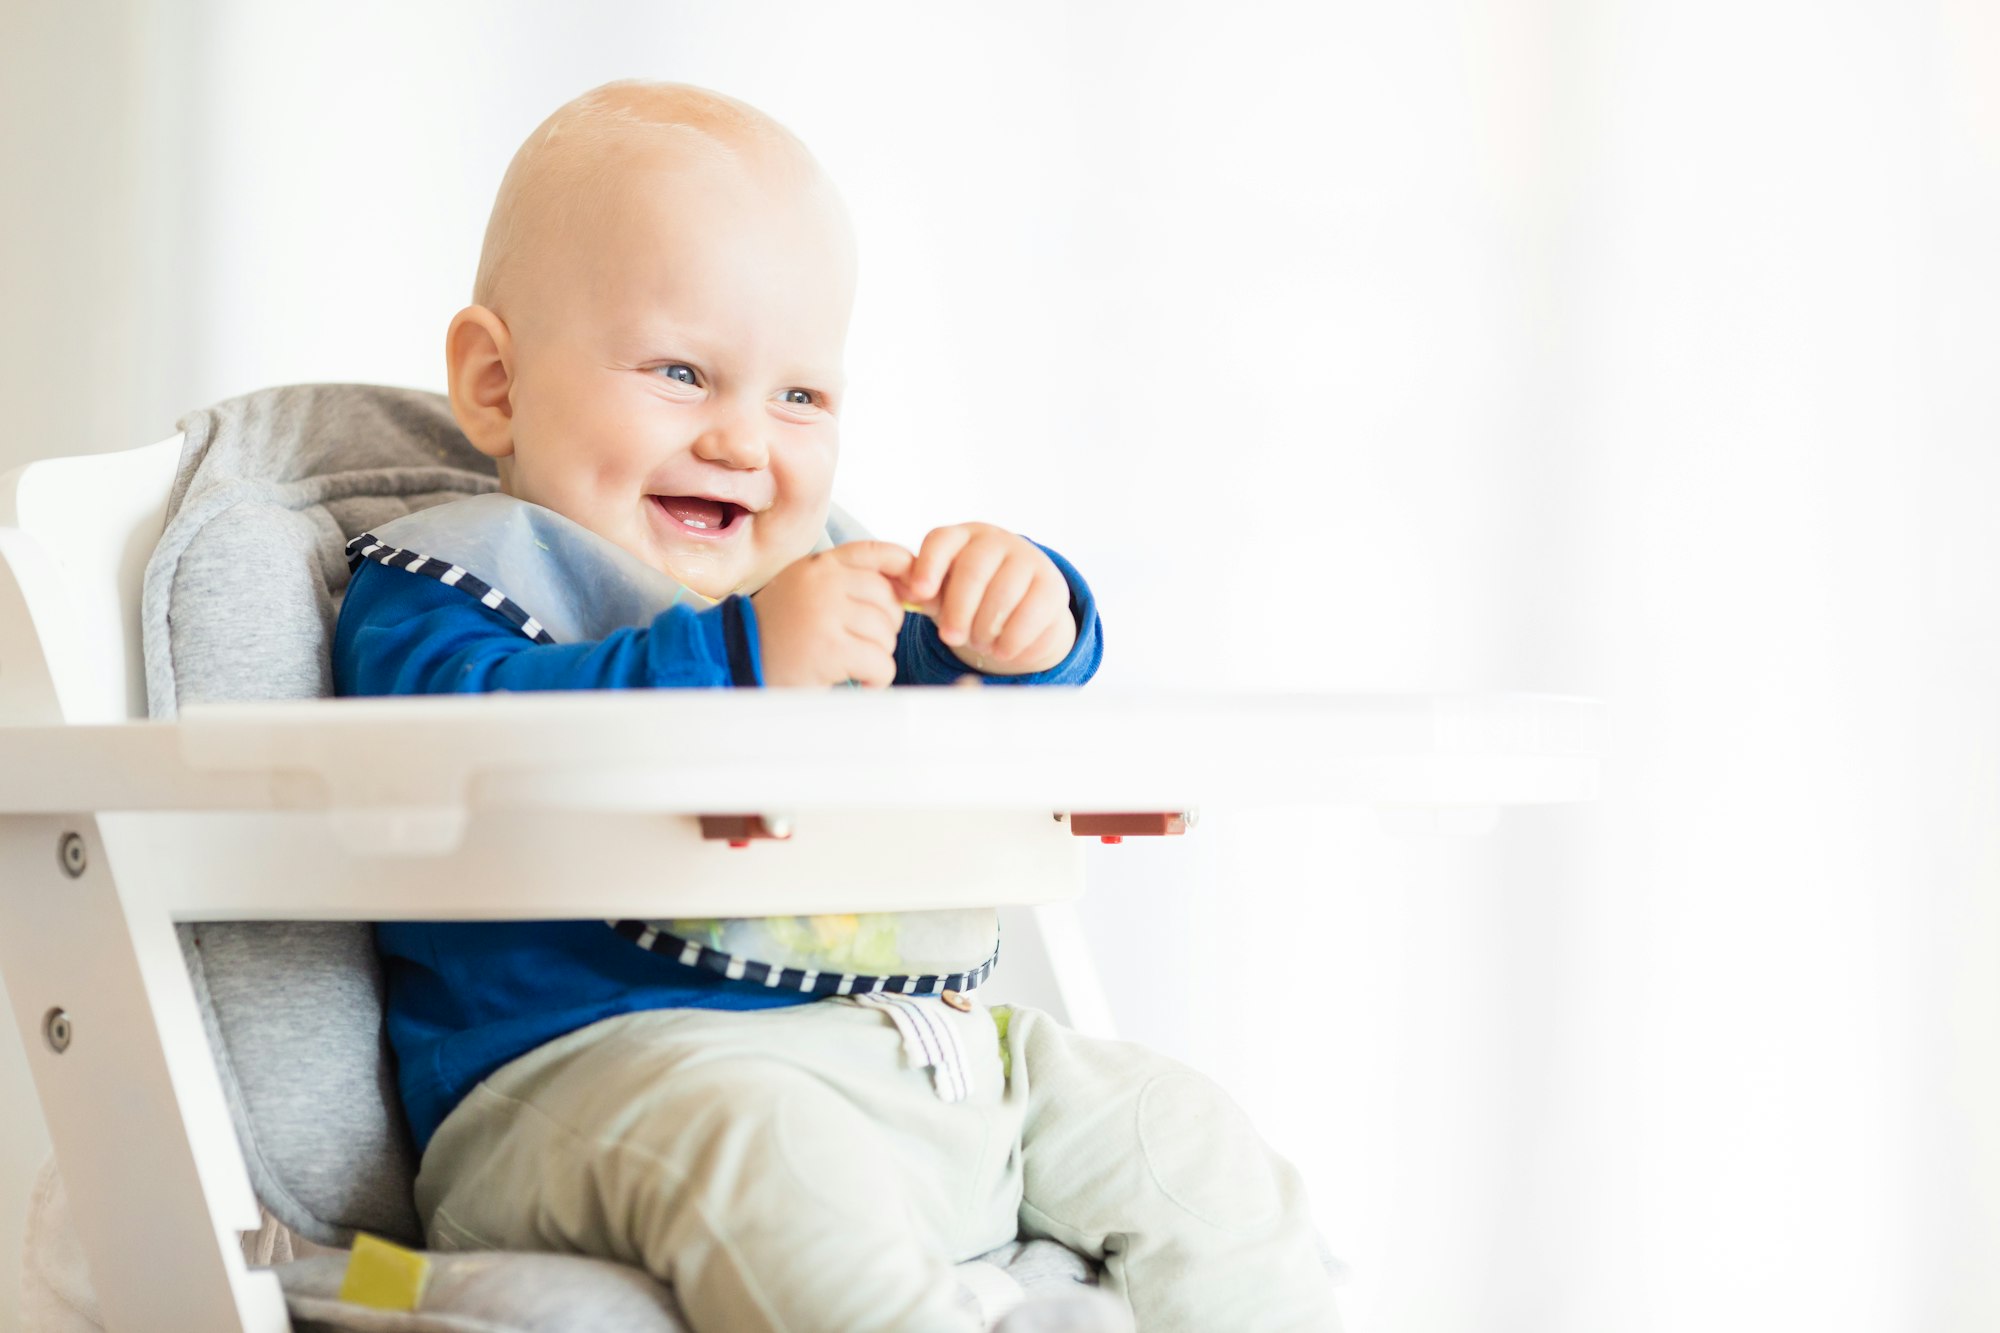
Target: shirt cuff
715, 646
739, 633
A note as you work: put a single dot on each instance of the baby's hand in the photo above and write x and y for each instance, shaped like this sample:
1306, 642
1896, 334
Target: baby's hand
833, 617
1000, 603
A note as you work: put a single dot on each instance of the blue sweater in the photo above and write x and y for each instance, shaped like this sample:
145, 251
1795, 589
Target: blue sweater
465, 997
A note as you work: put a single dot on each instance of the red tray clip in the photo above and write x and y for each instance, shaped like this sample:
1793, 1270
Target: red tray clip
740, 829
1144, 824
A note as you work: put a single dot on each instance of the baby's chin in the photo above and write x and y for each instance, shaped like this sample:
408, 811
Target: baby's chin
709, 586
712, 579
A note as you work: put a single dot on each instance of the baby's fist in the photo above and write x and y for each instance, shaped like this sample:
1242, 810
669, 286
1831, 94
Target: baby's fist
1000, 603
833, 617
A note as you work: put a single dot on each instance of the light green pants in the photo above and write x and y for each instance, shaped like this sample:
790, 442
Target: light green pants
791, 1169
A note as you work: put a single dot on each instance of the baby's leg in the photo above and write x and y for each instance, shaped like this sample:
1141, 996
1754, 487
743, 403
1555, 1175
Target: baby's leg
1135, 1158
688, 1144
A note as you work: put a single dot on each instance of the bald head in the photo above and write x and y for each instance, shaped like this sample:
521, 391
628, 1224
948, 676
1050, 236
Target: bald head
661, 313
567, 183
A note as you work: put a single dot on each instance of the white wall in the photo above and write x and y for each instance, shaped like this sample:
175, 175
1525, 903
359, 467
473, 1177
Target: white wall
1637, 350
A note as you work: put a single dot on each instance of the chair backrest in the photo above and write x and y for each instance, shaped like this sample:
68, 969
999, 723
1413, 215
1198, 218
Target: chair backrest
75, 535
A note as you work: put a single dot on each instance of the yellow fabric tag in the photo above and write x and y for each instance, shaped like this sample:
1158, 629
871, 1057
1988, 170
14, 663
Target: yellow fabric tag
382, 1276
1002, 1016
908, 606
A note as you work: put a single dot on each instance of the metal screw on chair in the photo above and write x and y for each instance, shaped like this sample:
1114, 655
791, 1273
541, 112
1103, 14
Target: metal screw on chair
56, 1030
71, 854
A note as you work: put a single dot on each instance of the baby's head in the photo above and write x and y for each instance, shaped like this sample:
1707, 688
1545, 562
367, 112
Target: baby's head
661, 315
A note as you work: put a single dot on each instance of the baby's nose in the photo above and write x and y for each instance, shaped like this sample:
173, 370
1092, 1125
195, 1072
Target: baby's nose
735, 441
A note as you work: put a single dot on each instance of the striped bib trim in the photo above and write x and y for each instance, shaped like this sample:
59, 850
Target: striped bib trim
370, 547
806, 981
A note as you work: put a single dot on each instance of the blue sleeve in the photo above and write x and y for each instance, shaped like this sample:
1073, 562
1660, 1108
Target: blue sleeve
923, 659
404, 633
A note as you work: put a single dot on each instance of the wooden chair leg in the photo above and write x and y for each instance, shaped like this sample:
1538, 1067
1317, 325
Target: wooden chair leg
156, 1182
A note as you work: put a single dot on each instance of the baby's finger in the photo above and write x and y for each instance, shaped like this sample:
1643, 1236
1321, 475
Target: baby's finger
868, 664
1041, 612
1045, 643
885, 558
868, 577
874, 614
927, 571
964, 588
1002, 601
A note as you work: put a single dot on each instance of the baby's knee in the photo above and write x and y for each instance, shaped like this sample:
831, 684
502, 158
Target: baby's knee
1105, 1111
1205, 1155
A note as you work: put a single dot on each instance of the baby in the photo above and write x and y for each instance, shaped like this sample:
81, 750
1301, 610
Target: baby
751, 1110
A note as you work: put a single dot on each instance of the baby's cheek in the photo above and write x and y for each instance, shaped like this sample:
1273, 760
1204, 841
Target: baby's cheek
777, 549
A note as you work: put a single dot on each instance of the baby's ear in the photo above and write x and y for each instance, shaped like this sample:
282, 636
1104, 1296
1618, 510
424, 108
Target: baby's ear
479, 371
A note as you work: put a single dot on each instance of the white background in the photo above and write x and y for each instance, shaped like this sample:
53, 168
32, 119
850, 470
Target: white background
1649, 351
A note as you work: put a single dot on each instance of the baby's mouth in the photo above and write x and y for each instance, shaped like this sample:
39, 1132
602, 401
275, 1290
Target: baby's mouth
693, 513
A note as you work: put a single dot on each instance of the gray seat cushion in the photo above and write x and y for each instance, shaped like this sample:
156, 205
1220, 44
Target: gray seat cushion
518, 1293
239, 602
503, 1292
241, 593
490, 1292
295, 1021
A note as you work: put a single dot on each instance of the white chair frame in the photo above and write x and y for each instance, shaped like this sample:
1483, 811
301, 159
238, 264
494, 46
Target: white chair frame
530, 806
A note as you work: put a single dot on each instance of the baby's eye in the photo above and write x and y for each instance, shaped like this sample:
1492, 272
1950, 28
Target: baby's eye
677, 371
798, 397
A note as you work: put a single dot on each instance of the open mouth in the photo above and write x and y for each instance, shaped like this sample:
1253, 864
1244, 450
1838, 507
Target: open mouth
698, 515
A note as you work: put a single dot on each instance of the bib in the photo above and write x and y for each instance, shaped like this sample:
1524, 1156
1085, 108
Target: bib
556, 581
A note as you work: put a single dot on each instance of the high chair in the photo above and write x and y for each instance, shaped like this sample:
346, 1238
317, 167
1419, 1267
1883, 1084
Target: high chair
193, 840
